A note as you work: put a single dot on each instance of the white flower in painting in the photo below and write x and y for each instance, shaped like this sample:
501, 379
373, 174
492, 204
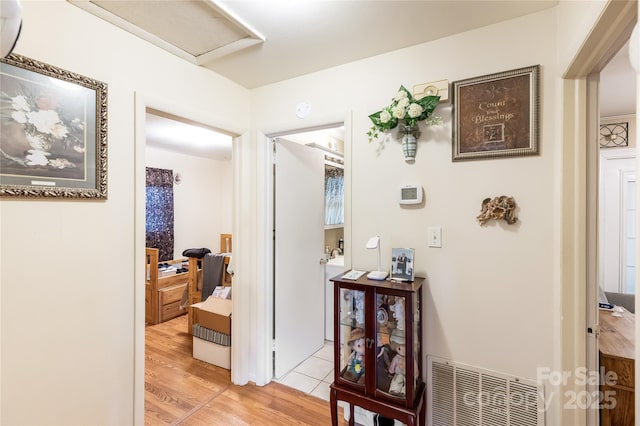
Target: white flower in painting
400, 95
404, 102
37, 158
77, 123
415, 110
385, 116
37, 142
61, 163
19, 116
398, 112
59, 131
49, 140
44, 120
19, 103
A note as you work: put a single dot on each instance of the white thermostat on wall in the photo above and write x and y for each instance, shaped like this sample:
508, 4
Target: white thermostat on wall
410, 194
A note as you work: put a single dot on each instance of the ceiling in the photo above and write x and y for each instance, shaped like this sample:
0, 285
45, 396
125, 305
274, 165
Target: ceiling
618, 86
176, 134
288, 38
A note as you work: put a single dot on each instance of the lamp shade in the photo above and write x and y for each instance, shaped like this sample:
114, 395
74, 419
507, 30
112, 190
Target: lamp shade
10, 25
378, 275
373, 242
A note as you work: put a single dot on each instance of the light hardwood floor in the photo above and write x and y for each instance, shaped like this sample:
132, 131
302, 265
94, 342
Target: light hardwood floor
181, 390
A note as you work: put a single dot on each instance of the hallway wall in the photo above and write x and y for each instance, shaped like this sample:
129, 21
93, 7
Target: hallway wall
67, 266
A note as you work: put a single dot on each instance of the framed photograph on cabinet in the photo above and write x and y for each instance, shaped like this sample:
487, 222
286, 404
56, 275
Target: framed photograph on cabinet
496, 115
53, 131
402, 264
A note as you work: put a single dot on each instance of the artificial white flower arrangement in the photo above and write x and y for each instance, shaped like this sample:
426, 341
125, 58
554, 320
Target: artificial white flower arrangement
406, 110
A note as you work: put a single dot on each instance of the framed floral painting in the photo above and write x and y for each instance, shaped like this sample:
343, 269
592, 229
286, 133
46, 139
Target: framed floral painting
53, 131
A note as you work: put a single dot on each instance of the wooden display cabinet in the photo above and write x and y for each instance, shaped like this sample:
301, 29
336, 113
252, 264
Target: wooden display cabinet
378, 349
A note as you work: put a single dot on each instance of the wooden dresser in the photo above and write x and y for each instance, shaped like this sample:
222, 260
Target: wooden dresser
617, 354
163, 294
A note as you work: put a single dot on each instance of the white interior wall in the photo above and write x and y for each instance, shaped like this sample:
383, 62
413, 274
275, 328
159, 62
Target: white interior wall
492, 293
202, 201
80, 372
67, 268
575, 22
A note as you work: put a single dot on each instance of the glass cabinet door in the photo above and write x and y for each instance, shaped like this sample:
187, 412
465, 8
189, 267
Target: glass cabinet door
417, 332
351, 337
391, 349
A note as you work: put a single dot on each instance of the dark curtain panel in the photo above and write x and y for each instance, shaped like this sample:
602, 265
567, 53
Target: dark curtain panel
159, 211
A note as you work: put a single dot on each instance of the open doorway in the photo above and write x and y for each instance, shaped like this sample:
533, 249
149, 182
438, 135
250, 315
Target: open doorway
309, 243
189, 199
617, 239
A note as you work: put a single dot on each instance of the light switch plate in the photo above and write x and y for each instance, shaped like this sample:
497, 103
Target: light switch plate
435, 236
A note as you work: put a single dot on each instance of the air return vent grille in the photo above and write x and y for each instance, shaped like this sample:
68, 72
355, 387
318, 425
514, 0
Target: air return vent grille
461, 395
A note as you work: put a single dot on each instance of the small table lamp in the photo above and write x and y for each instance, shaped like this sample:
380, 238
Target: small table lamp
374, 242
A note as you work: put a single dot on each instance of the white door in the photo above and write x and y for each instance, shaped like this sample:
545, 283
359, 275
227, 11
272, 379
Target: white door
616, 231
299, 239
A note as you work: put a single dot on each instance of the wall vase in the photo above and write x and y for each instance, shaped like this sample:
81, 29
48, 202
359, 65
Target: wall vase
409, 143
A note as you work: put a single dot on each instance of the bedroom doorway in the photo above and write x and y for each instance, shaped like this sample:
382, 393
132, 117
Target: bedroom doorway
194, 164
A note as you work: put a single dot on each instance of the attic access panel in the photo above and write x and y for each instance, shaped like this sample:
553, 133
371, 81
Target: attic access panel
196, 30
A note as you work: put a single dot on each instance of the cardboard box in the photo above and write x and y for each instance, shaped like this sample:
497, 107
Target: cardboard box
213, 313
212, 353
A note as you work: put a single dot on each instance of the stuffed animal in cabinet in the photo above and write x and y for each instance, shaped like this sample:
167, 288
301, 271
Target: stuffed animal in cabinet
398, 366
355, 364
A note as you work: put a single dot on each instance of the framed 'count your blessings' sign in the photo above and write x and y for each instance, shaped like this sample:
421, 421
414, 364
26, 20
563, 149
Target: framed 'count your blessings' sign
53, 131
496, 115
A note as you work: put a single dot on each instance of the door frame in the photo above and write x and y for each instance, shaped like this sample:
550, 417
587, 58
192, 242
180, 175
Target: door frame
579, 198
264, 243
239, 357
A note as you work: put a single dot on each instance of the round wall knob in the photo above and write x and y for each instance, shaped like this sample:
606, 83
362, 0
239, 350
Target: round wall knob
431, 91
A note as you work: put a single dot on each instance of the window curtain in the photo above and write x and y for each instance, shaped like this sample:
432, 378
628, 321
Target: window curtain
159, 212
334, 195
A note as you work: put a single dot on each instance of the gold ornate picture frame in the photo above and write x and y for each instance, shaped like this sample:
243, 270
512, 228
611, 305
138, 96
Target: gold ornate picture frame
496, 115
53, 131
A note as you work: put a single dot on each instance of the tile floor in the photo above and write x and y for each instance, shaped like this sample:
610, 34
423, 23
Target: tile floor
314, 375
